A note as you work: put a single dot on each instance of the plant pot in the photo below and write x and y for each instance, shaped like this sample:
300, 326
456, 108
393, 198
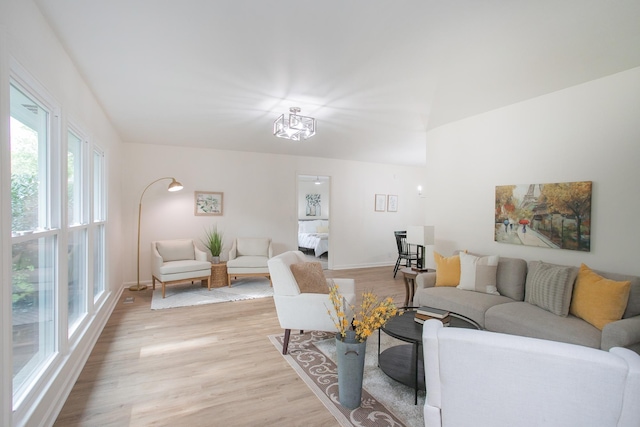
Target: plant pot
350, 357
215, 260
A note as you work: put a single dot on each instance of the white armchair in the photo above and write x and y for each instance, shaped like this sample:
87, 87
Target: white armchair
174, 261
303, 311
248, 256
481, 378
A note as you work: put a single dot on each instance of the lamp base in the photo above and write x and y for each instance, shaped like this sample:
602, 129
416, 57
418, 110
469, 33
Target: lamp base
137, 287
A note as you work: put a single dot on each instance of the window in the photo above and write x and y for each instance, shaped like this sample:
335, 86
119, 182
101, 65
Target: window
77, 234
99, 217
75, 179
35, 232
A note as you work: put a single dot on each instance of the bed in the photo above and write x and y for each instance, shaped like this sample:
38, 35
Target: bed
314, 235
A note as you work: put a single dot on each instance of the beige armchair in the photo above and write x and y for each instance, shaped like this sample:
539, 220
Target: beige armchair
301, 310
175, 261
248, 256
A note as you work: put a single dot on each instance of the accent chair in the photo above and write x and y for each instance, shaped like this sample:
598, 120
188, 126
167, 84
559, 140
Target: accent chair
488, 379
175, 261
302, 310
248, 257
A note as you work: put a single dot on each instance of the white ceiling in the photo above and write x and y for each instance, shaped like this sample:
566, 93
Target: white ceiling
375, 74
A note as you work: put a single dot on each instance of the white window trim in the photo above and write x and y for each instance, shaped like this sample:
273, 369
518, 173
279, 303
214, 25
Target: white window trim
26, 396
75, 330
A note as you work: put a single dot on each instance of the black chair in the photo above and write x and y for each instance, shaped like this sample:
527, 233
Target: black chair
404, 251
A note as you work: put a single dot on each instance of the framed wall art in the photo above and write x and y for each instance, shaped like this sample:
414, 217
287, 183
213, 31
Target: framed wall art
381, 202
556, 215
392, 203
314, 205
208, 203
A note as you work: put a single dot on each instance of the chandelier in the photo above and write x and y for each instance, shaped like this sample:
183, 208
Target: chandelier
296, 128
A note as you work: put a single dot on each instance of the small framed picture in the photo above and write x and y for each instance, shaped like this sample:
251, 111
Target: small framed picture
381, 201
392, 203
208, 203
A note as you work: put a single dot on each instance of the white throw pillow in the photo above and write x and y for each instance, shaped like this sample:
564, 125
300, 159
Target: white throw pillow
478, 273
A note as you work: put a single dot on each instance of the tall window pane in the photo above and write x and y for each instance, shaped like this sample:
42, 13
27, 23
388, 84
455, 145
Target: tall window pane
34, 252
29, 125
98, 261
99, 216
33, 281
75, 179
77, 232
77, 277
98, 187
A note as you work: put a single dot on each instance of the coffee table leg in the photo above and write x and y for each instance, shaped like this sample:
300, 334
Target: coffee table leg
415, 358
407, 291
412, 290
379, 347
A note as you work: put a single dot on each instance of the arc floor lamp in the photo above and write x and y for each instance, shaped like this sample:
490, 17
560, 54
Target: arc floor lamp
173, 186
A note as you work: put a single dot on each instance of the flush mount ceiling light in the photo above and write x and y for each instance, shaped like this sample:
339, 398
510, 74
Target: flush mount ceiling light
296, 128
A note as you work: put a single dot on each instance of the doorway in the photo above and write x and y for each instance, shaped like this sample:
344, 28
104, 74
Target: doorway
313, 214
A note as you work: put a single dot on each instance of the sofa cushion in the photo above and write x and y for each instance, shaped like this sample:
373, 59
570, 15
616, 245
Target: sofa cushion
521, 318
550, 286
598, 300
310, 278
447, 270
511, 277
175, 250
184, 266
478, 273
470, 304
248, 261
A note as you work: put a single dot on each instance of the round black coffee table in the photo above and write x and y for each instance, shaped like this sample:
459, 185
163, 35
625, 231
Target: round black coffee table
404, 363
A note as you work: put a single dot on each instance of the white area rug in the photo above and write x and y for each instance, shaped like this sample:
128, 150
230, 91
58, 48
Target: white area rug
187, 294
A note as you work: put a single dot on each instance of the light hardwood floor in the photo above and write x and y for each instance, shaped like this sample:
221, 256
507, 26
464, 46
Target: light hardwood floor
209, 365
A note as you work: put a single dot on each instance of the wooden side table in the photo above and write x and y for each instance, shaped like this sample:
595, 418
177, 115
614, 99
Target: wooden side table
410, 283
219, 274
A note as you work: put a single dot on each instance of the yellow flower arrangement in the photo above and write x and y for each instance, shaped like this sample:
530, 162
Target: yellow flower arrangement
373, 313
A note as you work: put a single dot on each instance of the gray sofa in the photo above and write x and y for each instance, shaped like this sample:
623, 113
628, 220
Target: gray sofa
509, 313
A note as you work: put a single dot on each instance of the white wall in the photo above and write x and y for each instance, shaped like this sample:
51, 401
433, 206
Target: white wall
27, 38
260, 199
589, 132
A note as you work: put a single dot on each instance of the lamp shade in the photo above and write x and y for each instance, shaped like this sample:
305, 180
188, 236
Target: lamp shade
175, 185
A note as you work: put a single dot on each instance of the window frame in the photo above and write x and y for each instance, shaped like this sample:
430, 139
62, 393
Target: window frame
51, 218
74, 326
98, 226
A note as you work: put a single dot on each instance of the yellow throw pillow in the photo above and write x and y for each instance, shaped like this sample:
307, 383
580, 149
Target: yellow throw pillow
447, 270
598, 300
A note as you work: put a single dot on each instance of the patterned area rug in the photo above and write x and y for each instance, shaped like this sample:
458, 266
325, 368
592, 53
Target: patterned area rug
187, 294
385, 402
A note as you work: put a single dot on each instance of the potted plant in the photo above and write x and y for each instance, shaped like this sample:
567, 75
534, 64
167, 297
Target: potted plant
213, 242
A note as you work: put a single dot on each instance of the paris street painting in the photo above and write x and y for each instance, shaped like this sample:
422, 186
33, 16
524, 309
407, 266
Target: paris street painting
546, 215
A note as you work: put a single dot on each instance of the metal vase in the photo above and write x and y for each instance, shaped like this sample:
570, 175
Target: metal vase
350, 355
